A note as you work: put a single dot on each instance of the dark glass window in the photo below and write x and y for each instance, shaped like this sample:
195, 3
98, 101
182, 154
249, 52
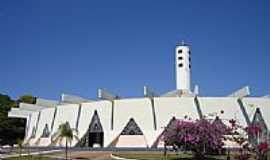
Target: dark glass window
180, 51
180, 58
189, 52
180, 65
189, 66
189, 59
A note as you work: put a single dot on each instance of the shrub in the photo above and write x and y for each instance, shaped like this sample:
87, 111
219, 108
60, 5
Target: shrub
201, 136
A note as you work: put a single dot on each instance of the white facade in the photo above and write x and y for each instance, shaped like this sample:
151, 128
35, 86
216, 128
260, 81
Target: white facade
135, 122
150, 116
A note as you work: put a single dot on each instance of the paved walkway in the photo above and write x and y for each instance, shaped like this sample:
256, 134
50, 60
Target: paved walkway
2, 156
73, 153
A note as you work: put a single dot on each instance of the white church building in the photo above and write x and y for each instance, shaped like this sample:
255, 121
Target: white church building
112, 121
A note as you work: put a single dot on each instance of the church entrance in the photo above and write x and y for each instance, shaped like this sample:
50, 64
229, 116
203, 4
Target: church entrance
94, 137
95, 132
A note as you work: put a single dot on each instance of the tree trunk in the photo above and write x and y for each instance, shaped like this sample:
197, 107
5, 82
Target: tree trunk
20, 151
229, 155
165, 150
199, 155
66, 149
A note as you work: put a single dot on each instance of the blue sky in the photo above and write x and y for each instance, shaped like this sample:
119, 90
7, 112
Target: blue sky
53, 47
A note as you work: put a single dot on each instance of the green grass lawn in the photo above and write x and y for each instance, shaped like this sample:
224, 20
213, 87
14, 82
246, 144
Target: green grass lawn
152, 156
160, 156
172, 156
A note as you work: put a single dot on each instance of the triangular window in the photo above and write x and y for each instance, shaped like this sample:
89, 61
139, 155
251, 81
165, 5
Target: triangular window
131, 128
95, 125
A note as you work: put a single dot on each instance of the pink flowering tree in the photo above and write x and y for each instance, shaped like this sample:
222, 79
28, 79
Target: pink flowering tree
201, 136
260, 146
249, 140
239, 136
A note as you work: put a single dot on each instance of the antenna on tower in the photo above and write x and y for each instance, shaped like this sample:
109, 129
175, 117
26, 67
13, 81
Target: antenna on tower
183, 43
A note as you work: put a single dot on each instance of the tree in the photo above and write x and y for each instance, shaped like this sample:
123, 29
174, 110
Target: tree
64, 132
200, 137
10, 128
260, 147
20, 146
239, 135
247, 137
27, 99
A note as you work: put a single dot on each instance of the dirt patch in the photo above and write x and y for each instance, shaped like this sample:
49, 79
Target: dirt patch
92, 154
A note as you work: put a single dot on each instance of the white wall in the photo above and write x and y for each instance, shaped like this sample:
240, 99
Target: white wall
255, 102
104, 112
178, 107
214, 106
46, 117
33, 121
131, 141
138, 109
169, 107
66, 113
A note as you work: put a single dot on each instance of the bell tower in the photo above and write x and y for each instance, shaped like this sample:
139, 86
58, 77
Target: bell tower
183, 67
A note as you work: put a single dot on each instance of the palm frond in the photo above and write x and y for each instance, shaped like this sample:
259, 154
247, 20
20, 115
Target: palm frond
58, 139
76, 137
64, 131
